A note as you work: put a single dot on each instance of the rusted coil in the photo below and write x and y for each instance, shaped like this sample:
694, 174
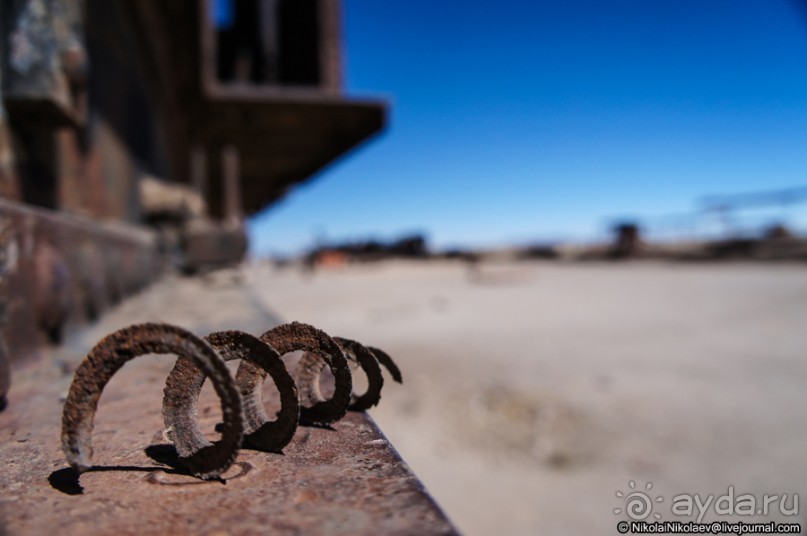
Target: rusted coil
202, 458
366, 357
389, 364
241, 399
297, 336
257, 359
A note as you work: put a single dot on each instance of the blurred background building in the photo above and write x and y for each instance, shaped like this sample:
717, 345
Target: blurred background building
141, 133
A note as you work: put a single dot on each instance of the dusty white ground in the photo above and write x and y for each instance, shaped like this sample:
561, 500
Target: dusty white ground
533, 392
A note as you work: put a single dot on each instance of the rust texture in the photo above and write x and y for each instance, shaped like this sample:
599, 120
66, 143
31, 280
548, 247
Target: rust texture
367, 358
385, 360
342, 479
61, 271
6, 253
111, 353
258, 358
303, 337
5, 373
369, 364
345, 481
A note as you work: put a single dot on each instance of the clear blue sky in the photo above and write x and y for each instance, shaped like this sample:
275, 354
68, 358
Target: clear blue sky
535, 120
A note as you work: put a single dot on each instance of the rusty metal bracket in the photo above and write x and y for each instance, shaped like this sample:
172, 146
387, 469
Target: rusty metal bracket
111, 353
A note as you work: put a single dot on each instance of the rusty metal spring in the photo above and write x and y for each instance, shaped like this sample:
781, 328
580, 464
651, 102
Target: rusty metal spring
245, 421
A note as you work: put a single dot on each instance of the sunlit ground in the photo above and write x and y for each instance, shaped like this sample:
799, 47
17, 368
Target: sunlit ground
534, 392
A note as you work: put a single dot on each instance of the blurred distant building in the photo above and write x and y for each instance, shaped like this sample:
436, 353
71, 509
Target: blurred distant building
627, 241
339, 254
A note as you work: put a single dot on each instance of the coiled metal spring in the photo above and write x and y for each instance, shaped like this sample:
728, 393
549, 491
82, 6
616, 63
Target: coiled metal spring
244, 419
